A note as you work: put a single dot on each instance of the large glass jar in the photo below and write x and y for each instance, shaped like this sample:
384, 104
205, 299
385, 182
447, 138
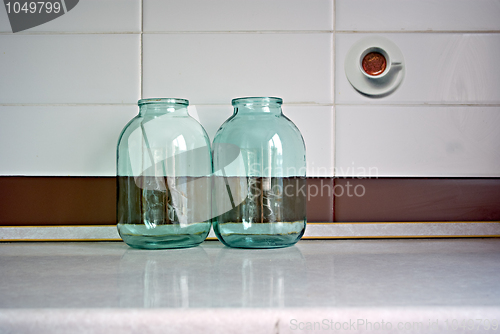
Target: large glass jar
164, 170
265, 183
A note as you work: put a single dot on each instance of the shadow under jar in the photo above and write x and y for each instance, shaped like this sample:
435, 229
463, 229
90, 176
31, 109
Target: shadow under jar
164, 170
259, 191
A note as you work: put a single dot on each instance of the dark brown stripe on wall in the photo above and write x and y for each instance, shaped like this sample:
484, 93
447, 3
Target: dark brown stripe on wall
417, 199
57, 200
320, 199
91, 200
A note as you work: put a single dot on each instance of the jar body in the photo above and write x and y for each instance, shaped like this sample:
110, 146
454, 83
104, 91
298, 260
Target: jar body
163, 177
266, 183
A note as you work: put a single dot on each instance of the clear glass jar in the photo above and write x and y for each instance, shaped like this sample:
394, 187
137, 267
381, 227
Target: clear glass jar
164, 167
266, 183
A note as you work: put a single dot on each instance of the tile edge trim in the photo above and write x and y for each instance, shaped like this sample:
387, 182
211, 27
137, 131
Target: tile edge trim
313, 231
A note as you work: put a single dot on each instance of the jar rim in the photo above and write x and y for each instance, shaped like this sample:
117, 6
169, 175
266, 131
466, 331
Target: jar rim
163, 100
257, 100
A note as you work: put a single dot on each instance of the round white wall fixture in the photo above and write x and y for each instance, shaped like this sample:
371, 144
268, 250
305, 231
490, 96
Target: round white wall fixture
375, 66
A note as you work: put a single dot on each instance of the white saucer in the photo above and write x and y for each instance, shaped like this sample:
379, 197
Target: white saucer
374, 86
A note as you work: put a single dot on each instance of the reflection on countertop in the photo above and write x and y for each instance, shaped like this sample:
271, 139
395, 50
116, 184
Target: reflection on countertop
342, 273
108, 287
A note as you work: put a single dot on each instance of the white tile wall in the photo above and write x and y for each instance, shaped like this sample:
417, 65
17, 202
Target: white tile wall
90, 16
61, 140
96, 62
316, 124
237, 15
317, 134
90, 134
215, 68
414, 131
413, 141
421, 15
440, 68
69, 68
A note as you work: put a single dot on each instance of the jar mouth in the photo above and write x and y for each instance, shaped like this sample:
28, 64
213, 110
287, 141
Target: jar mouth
257, 100
163, 101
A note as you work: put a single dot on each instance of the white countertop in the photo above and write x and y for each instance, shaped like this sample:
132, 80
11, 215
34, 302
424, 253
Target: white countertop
109, 287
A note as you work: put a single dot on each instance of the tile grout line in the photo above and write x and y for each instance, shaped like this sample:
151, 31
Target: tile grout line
418, 31
65, 104
334, 118
249, 32
290, 104
6, 33
56, 33
142, 51
419, 105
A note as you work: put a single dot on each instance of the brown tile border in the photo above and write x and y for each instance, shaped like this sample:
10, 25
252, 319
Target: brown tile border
320, 206
57, 200
42, 201
418, 199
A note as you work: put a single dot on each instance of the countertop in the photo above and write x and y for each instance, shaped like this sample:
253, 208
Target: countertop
337, 286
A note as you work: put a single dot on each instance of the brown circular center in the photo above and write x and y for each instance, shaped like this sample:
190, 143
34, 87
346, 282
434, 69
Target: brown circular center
374, 63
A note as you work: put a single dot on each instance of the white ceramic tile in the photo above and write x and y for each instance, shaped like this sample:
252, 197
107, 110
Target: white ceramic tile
90, 16
215, 68
316, 126
417, 141
61, 140
314, 122
421, 15
81, 140
212, 117
440, 68
237, 15
69, 68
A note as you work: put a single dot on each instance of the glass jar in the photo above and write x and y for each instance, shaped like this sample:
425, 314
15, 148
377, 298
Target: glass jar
266, 183
164, 167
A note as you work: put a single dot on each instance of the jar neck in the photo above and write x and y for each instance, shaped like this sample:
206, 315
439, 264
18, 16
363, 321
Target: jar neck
257, 106
163, 106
